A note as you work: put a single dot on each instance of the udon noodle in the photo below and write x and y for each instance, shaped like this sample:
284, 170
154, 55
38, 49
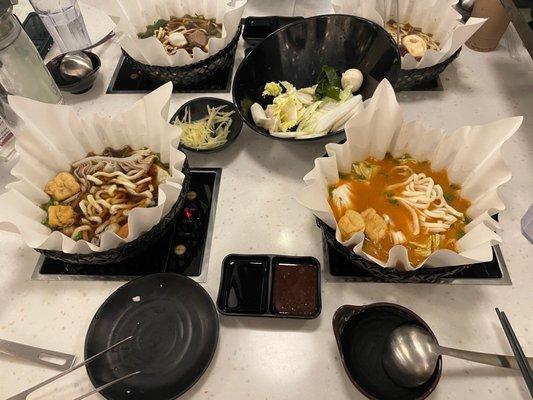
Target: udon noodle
100, 191
399, 201
412, 40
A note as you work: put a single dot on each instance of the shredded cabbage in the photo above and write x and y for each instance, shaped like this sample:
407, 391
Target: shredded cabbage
298, 113
207, 133
272, 89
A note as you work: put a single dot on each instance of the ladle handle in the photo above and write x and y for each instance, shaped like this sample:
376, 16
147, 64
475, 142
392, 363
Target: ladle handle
483, 358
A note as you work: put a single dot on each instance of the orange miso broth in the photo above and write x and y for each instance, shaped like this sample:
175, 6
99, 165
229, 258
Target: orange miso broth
399, 201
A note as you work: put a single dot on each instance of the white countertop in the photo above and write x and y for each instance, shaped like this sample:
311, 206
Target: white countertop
289, 359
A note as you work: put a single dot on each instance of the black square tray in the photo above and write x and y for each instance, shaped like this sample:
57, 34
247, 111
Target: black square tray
255, 291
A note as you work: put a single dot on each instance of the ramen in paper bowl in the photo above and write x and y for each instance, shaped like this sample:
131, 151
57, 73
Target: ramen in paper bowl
405, 196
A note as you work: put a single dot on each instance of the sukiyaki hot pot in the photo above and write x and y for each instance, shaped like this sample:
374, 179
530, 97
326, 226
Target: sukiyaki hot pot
95, 189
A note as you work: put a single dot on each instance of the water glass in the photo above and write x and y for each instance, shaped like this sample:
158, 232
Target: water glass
65, 23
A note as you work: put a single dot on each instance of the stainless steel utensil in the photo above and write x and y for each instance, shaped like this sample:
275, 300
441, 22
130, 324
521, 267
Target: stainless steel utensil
411, 356
101, 41
75, 65
398, 22
523, 362
23, 395
37, 355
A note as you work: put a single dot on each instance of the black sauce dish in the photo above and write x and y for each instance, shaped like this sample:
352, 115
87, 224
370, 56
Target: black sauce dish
262, 285
79, 86
296, 53
361, 333
198, 109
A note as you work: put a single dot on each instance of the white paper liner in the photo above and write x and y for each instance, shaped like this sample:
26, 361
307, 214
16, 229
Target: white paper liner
433, 16
53, 137
471, 155
135, 15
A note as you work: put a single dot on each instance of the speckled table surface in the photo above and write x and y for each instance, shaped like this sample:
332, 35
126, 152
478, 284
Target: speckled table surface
290, 359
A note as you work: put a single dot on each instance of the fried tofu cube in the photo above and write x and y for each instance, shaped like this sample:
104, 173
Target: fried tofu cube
123, 231
63, 186
61, 216
350, 223
375, 225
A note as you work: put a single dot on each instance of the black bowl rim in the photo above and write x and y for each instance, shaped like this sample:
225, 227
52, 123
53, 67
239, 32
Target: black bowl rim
337, 331
73, 86
236, 117
199, 63
337, 133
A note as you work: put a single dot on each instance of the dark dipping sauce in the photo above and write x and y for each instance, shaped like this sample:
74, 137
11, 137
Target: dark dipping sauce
247, 286
295, 289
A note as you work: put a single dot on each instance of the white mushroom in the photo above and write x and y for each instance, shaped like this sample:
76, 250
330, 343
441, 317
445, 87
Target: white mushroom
353, 78
415, 45
177, 39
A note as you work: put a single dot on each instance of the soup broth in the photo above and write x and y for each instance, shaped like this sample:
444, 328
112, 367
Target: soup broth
424, 214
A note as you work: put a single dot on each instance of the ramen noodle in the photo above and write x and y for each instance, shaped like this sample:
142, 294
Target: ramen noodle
99, 192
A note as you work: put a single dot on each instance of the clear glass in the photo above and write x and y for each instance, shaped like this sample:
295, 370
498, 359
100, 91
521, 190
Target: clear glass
22, 73
65, 23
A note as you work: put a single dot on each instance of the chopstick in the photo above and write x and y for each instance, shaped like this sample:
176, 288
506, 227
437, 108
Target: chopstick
23, 395
525, 368
100, 388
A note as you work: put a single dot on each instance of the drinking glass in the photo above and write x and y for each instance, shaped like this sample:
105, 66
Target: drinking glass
65, 23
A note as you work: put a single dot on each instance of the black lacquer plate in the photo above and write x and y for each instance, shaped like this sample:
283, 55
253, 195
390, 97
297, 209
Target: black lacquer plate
175, 328
297, 52
361, 333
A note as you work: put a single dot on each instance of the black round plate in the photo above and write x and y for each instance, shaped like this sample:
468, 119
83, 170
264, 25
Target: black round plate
174, 325
198, 109
297, 52
361, 333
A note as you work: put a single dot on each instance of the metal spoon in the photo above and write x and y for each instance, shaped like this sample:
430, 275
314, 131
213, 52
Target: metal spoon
411, 355
75, 65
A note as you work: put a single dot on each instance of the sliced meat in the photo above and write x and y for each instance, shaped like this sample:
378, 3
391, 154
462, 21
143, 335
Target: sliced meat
197, 39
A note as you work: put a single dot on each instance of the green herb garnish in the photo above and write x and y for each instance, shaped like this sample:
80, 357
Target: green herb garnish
78, 236
328, 84
393, 201
449, 197
344, 176
467, 219
459, 234
48, 204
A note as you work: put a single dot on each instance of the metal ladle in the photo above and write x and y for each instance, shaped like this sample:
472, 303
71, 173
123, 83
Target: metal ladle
75, 65
411, 355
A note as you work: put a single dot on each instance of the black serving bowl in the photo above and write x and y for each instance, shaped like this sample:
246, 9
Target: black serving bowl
297, 52
77, 87
198, 109
191, 74
362, 333
136, 246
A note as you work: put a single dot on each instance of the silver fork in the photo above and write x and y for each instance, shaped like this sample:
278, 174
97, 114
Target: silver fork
23, 395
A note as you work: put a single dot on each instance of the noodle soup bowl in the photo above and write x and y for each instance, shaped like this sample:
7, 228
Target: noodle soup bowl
54, 136
470, 155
